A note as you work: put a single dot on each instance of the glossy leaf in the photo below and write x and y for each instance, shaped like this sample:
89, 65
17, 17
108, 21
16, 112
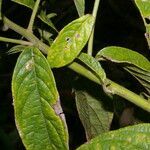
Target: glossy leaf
135, 137
94, 117
80, 5
70, 41
144, 7
36, 103
124, 55
94, 65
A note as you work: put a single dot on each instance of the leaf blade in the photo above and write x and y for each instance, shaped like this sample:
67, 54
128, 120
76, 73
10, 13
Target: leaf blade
144, 7
94, 65
94, 117
80, 6
35, 95
124, 55
133, 137
70, 41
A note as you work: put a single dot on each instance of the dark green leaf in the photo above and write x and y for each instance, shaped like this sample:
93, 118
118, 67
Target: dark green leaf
94, 65
70, 41
36, 103
142, 76
124, 55
94, 117
80, 5
135, 137
42, 16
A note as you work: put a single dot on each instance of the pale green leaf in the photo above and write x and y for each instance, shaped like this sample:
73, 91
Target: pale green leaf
135, 137
94, 117
144, 7
16, 49
36, 103
70, 41
124, 55
94, 65
80, 6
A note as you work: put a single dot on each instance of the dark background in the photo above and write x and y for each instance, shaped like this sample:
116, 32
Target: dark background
118, 23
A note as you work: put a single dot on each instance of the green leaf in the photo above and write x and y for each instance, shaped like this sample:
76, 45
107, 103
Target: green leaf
135, 137
36, 103
42, 16
124, 55
94, 65
70, 41
94, 117
144, 7
16, 49
27, 3
80, 5
142, 76
46, 19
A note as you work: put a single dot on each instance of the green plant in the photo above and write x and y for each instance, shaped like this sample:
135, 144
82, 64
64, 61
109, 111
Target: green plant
38, 113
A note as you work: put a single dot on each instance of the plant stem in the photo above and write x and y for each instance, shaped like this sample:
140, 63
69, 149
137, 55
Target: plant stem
34, 12
28, 35
112, 87
94, 13
21, 42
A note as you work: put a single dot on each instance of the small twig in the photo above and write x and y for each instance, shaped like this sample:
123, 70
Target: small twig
16, 41
112, 87
94, 13
28, 35
34, 12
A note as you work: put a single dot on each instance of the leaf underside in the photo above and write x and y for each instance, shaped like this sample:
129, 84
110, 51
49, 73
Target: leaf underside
35, 95
94, 117
133, 62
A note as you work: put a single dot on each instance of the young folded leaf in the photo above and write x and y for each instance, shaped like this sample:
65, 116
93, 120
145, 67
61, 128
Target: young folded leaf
35, 99
80, 6
70, 41
42, 16
130, 138
94, 65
